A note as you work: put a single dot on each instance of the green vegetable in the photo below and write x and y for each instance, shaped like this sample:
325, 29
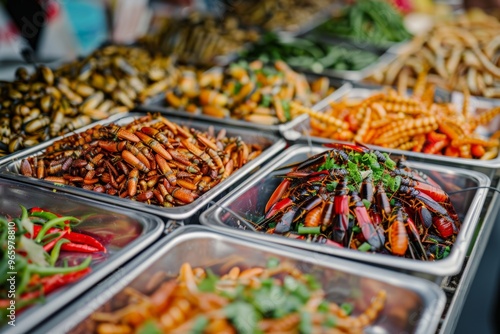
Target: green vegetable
199, 325
356, 229
347, 307
309, 230
208, 283
243, 316
272, 262
330, 321
47, 271
305, 325
367, 203
149, 327
365, 247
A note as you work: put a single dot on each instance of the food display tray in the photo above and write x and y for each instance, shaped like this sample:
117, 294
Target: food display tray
247, 202
299, 134
421, 302
158, 105
124, 233
384, 58
272, 143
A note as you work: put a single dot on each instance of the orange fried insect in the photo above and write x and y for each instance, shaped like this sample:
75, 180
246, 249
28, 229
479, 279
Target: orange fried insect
243, 153
56, 179
228, 169
199, 153
216, 158
40, 169
112, 146
165, 169
204, 182
120, 133
138, 154
171, 126
313, 218
178, 156
186, 184
161, 137
134, 161
184, 195
133, 178
172, 99
155, 145
398, 237
208, 143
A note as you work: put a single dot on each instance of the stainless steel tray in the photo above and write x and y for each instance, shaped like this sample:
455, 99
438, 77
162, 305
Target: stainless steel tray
457, 293
9, 157
158, 105
124, 232
272, 144
249, 199
299, 133
199, 246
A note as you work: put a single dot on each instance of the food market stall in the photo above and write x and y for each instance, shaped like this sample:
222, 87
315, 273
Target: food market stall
344, 167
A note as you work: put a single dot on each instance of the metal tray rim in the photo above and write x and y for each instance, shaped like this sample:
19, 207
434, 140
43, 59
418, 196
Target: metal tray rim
425, 289
178, 213
153, 228
296, 136
449, 266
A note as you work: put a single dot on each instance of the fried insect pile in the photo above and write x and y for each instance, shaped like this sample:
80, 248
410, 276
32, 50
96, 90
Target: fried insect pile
414, 123
353, 197
240, 301
150, 160
251, 92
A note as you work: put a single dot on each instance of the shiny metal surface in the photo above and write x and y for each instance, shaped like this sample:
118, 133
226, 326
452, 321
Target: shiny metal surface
418, 300
272, 144
249, 199
123, 232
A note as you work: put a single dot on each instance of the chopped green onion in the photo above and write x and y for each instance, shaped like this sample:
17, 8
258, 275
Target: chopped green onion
365, 247
330, 321
305, 325
309, 230
367, 203
272, 262
356, 229
347, 307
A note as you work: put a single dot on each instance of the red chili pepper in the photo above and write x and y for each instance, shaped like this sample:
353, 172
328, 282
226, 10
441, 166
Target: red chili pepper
72, 247
54, 282
85, 239
37, 228
52, 243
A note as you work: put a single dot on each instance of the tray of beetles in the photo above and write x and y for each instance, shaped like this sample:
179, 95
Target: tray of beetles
403, 124
360, 204
169, 167
64, 246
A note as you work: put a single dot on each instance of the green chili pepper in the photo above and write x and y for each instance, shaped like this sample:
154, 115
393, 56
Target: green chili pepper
53, 223
44, 214
54, 255
47, 271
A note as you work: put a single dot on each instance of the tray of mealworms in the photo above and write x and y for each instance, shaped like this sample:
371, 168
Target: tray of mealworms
221, 283
246, 94
69, 244
360, 204
421, 123
170, 167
